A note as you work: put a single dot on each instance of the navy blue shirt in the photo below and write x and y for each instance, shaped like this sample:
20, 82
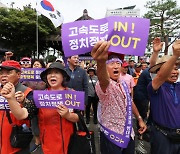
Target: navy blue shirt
165, 109
78, 80
140, 90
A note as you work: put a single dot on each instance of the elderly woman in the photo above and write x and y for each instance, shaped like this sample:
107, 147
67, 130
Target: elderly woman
56, 125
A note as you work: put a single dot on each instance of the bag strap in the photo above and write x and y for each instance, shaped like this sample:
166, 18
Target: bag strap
9, 117
81, 120
92, 83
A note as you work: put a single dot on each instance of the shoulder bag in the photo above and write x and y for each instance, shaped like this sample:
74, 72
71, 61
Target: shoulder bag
82, 142
20, 136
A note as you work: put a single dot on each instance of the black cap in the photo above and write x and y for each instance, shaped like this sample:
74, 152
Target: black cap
55, 65
91, 69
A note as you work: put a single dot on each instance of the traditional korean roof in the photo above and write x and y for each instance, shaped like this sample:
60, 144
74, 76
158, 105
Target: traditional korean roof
128, 7
85, 16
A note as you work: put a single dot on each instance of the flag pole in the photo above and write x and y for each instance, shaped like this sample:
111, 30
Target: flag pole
37, 39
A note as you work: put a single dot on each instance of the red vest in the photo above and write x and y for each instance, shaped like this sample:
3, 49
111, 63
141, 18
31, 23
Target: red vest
6, 128
55, 132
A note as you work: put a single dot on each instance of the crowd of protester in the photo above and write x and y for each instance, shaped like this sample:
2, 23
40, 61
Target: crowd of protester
153, 87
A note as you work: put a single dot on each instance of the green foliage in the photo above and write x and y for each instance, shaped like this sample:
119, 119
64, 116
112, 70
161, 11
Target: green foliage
50, 58
165, 19
18, 31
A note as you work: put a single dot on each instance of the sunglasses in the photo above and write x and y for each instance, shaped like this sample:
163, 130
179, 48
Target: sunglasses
25, 62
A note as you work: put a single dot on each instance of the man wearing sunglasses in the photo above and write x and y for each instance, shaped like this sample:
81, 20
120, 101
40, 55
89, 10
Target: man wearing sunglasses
25, 62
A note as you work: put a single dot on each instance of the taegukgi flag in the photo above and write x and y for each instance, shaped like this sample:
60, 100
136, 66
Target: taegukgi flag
49, 8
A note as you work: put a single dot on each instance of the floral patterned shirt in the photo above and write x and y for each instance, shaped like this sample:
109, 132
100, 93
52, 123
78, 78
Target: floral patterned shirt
112, 107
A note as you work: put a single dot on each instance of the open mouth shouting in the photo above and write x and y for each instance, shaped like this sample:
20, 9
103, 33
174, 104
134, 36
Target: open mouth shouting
116, 72
174, 77
53, 81
4, 81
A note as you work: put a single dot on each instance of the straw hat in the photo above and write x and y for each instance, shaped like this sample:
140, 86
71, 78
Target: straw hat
137, 65
159, 63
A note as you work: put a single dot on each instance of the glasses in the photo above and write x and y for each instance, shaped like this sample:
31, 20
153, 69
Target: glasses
25, 62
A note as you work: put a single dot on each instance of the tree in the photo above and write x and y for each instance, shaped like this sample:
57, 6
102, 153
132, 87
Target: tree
18, 31
165, 20
50, 58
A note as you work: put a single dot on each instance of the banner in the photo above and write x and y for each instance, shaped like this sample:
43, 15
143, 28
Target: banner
128, 35
4, 104
49, 8
31, 74
51, 99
